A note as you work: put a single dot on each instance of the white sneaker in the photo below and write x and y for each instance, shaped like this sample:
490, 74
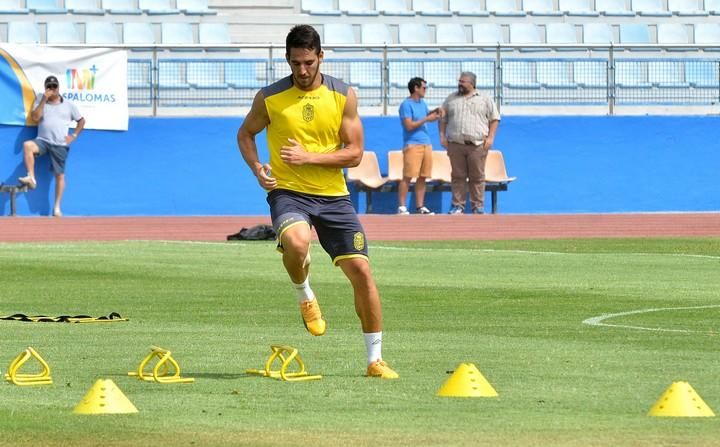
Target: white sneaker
424, 210
28, 181
403, 210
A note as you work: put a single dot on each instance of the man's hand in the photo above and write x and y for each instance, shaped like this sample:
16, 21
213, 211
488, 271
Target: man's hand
294, 153
443, 141
433, 115
262, 172
48, 93
487, 144
70, 139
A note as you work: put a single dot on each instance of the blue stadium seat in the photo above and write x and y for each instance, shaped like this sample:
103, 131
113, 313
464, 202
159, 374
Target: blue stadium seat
540, 8
139, 74
177, 33
442, 73
242, 74
99, 33
651, 8
45, 7
157, 7
613, 8
590, 73
667, 74
503, 8
205, 74
451, 33
319, 7
138, 33
561, 33
23, 32
357, 8
171, 74
598, 33
62, 32
471, 8
393, 8
90, 7
686, 8
581, 8
525, 33
366, 73
375, 34
339, 33
630, 74
415, 33
484, 71
703, 73
519, 74
634, 33
672, 33
124, 7
555, 74
195, 7
12, 7
707, 33
214, 34
430, 8
401, 71
487, 34
712, 7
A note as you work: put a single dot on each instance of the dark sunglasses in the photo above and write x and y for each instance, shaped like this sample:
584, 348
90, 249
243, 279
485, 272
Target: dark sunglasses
51, 86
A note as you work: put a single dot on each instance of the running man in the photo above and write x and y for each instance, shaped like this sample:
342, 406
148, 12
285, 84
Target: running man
313, 131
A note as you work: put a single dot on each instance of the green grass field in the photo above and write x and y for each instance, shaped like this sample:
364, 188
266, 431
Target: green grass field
514, 308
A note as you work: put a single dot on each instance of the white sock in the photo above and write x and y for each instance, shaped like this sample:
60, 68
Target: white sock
303, 291
373, 343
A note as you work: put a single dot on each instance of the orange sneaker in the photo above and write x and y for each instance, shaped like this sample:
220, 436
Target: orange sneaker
312, 317
382, 370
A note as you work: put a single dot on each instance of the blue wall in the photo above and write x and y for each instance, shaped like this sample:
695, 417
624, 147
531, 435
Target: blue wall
191, 166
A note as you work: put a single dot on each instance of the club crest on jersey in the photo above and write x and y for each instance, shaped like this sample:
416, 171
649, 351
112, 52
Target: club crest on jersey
359, 241
308, 112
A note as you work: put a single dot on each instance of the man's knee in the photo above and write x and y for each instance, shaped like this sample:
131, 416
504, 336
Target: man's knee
296, 239
31, 147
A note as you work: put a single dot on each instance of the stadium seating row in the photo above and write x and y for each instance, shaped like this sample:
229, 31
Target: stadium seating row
513, 8
101, 7
524, 33
133, 33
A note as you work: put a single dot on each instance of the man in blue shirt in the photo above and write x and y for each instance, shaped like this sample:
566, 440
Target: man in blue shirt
417, 150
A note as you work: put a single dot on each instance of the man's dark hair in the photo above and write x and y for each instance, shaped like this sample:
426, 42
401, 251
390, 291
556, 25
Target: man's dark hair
303, 36
415, 82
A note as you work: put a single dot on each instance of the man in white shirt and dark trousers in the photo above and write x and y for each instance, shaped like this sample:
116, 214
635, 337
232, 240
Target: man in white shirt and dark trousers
54, 114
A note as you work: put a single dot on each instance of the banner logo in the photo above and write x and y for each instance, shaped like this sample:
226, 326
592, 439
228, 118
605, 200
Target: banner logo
81, 79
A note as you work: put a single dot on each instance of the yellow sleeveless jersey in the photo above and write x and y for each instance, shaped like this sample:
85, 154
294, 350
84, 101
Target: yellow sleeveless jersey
313, 119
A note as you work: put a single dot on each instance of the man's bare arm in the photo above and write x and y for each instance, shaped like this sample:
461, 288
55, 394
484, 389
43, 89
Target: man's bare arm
255, 121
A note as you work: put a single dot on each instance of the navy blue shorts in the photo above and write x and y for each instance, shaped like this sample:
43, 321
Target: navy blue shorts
336, 223
58, 155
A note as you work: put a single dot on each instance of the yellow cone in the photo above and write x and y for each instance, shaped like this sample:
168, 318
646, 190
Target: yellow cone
105, 398
467, 381
681, 400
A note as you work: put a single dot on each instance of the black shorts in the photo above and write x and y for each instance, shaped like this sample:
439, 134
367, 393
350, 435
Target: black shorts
336, 223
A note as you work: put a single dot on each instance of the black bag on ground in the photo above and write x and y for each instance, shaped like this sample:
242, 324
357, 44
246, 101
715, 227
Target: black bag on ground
257, 233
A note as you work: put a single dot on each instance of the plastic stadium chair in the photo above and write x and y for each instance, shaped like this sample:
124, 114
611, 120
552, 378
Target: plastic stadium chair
495, 170
138, 33
366, 73
139, 74
178, 33
519, 74
45, 7
441, 169
652, 8
171, 74
540, 8
634, 33
415, 33
242, 74
560, 33
401, 71
630, 74
686, 8
613, 8
12, 7
503, 8
367, 177
214, 34
357, 8
157, 7
430, 8
672, 33
339, 33
395, 166
703, 73
205, 75
23, 32
125, 7
525, 33
707, 34
554, 74
590, 73
441, 73
90, 7
598, 33
451, 33
667, 74
62, 32
487, 34
580, 8
393, 8
195, 7
712, 7
484, 71
101, 33
471, 8
375, 34
319, 7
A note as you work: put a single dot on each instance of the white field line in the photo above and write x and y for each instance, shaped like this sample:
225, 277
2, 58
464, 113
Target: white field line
598, 321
